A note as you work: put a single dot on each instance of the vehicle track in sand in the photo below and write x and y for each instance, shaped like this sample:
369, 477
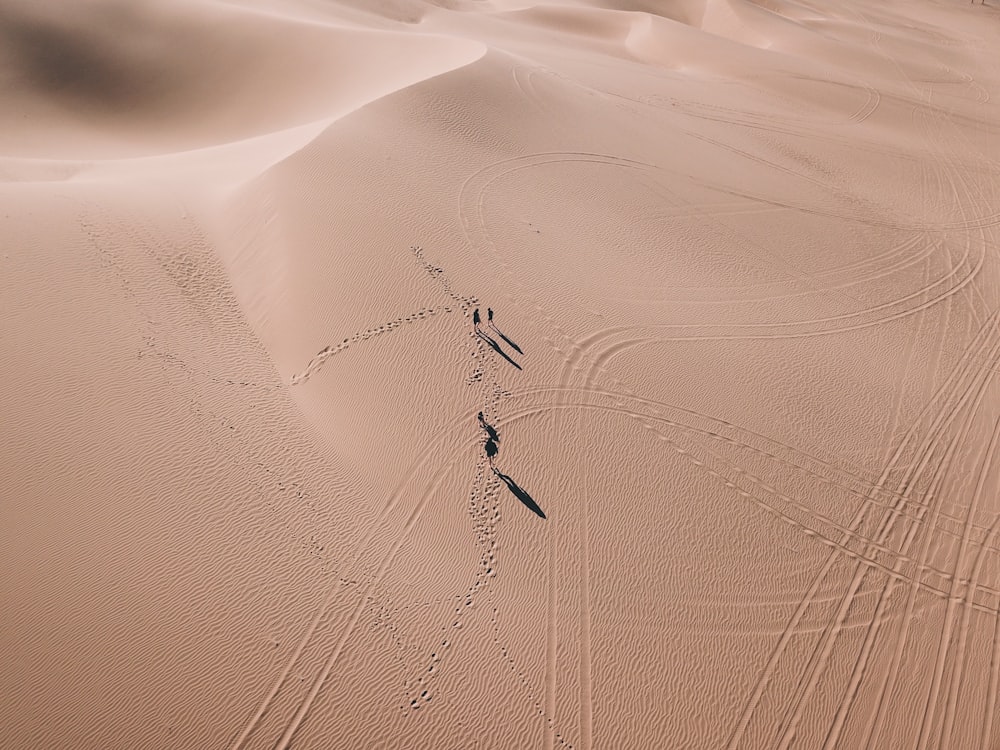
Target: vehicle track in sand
961, 274
577, 351
941, 410
786, 732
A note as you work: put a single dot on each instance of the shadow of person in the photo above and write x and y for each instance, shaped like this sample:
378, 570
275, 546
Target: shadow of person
496, 348
519, 493
493, 434
500, 333
491, 450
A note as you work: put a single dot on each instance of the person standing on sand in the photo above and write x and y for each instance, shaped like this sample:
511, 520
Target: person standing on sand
475, 318
489, 315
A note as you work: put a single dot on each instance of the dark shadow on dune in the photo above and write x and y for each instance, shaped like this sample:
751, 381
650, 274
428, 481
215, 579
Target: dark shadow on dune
510, 343
490, 430
491, 450
84, 54
496, 348
519, 493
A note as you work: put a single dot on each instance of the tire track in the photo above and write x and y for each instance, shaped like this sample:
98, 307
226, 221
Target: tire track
438, 275
956, 377
576, 354
871, 212
787, 735
777, 128
283, 676
537, 410
815, 284
787, 730
611, 353
953, 598
552, 600
875, 727
225, 321
970, 596
866, 491
530, 161
429, 490
866, 485
601, 360
991, 691
840, 546
945, 642
586, 656
707, 466
472, 205
862, 663
352, 623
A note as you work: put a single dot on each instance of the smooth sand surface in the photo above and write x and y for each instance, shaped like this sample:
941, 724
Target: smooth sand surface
744, 260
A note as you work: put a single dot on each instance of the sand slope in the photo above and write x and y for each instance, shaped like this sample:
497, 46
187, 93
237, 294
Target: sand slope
743, 262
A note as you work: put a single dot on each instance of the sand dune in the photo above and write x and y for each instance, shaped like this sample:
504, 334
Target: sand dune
739, 377
120, 80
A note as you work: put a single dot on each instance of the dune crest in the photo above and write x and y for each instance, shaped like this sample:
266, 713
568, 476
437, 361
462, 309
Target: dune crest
125, 85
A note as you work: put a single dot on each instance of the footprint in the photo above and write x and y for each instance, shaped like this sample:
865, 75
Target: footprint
317, 362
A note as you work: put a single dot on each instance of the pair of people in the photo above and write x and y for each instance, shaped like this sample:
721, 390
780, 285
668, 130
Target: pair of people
476, 320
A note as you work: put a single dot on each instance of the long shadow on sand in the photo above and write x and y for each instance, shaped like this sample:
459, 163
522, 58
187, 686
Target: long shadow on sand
490, 430
500, 333
519, 493
496, 348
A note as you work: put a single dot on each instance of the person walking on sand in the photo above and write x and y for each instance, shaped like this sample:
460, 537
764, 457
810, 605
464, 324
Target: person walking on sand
491, 450
489, 315
493, 435
475, 319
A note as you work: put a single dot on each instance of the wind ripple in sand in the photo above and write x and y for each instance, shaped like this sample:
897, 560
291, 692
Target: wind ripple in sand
324, 354
748, 251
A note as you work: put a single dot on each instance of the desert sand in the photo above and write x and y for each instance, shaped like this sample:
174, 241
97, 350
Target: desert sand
743, 263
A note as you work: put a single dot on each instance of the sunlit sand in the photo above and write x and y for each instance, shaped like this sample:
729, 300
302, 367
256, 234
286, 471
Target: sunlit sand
713, 466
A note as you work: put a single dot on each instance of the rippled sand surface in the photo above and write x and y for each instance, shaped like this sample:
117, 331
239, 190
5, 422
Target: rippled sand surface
736, 270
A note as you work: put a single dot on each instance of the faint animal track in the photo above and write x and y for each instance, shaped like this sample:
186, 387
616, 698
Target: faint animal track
247, 431
483, 509
325, 353
484, 512
437, 273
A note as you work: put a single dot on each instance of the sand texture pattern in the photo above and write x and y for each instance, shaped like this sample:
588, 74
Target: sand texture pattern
496, 374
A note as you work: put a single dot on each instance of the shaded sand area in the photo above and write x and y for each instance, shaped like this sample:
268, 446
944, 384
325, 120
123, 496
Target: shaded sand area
744, 256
